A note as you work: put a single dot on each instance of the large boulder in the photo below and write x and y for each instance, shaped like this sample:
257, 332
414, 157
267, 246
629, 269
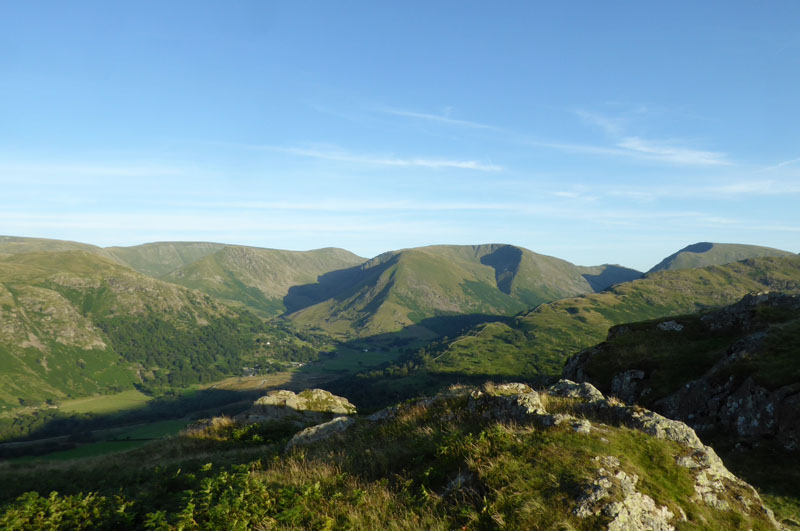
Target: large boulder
307, 407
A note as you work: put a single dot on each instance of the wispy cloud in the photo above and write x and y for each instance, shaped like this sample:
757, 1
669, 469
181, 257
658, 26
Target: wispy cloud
735, 189
439, 118
756, 187
89, 170
612, 126
632, 146
780, 165
641, 149
342, 156
673, 154
366, 205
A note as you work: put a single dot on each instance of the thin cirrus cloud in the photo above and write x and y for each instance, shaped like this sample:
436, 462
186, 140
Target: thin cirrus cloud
612, 126
673, 154
439, 119
355, 158
625, 146
24, 170
638, 148
780, 165
733, 189
364, 206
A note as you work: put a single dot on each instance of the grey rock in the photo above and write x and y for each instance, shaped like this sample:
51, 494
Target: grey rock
634, 511
627, 385
320, 432
504, 408
670, 326
307, 407
570, 389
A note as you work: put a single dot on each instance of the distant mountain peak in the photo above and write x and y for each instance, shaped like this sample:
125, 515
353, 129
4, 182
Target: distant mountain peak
704, 254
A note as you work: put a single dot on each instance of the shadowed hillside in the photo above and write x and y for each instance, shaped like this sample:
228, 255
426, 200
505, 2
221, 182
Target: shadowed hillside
398, 290
261, 279
537, 342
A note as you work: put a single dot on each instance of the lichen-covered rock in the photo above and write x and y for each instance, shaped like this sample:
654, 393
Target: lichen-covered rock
627, 385
507, 389
616, 495
308, 400
659, 426
632, 512
307, 407
570, 389
670, 326
714, 485
506, 407
320, 432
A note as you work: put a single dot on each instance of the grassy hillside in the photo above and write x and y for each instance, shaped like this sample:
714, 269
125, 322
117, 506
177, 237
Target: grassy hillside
261, 279
417, 290
160, 258
604, 276
152, 259
706, 254
536, 343
19, 245
488, 458
74, 324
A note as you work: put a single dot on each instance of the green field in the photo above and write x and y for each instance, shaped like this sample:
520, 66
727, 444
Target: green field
119, 440
131, 399
350, 361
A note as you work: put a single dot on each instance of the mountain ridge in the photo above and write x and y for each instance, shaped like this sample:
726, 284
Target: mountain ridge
704, 254
537, 342
74, 323
398, 290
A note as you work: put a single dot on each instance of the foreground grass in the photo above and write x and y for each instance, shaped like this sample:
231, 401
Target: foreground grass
432, 467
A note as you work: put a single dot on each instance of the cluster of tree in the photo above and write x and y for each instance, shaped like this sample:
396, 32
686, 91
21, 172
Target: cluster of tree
179, 357
410, 361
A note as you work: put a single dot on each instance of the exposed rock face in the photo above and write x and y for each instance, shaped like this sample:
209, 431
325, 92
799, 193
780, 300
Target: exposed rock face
614, 494
570, 389
502, 404
627, 385
724, 396
308, 407
671, 326
320, 432
748, 410
634, 512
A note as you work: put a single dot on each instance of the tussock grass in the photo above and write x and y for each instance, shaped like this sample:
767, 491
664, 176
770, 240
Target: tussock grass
436, 465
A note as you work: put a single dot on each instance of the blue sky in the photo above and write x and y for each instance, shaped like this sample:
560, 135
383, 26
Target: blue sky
593, 131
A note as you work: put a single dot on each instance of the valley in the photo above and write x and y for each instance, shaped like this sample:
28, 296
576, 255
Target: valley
110, 352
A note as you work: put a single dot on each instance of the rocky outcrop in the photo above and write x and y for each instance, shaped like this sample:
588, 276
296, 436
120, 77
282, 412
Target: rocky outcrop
633, 512
570, 389
308, 407
728, 395
628, 386
509, 402
320, 432
616, 493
